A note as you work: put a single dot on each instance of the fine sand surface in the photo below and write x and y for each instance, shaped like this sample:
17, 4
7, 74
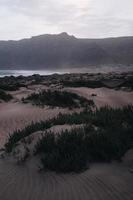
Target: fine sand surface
100, 182
24, 92
17, 115
113, 181
105, 96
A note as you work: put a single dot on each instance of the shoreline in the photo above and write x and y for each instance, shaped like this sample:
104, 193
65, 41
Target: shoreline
44, 72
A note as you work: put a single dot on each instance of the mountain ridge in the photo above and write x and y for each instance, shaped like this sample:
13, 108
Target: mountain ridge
50, 51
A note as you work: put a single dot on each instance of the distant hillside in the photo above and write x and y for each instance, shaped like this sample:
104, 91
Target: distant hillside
63, 50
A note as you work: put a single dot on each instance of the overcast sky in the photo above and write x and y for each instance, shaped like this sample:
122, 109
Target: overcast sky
82, 18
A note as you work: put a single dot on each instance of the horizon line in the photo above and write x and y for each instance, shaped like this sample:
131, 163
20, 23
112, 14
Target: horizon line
67, 34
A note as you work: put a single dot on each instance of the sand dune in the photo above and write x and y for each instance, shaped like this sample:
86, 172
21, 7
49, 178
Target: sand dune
105, 96
24, 92
100, 182
17, 115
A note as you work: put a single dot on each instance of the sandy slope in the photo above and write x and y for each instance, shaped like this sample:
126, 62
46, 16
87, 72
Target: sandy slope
24, 92
17, 115
100, 182
105, 96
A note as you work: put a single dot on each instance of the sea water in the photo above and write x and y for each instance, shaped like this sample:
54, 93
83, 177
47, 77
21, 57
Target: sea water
4, 73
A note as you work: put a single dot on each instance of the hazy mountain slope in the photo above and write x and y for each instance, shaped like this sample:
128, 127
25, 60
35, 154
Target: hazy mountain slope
59, 51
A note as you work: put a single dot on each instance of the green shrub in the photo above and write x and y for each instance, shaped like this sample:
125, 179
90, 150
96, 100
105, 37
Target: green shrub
64, 152
106, 136
58, 98
72, 150
4, 96
83, 83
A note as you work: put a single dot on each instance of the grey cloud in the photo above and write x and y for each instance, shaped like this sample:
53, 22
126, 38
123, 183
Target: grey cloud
83, 18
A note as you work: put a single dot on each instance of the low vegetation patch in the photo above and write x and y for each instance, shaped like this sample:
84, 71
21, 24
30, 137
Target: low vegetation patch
126, 82
4, 96
62, 152
72, 150
11, 83
107, 134
58, 98
9, 87
83, 83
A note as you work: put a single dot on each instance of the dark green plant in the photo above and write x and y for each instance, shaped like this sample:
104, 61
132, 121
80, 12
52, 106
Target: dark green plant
72, 150
62, 152
58, 98
83, 83
4, 96
107, 135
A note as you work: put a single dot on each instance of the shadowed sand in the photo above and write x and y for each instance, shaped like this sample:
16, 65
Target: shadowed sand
100, 182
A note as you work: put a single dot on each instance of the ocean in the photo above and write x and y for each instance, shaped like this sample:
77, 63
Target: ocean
4, 73
89, 69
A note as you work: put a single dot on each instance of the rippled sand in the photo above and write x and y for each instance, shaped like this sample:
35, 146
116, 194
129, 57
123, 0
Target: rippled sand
100, 182
112, 181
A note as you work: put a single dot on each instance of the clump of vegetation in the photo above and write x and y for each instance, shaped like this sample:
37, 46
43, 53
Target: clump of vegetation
21, 134
75, 118
4, 96
72, 150
9, 87
83, 83
128, 83
58, 98
12, 83
107, 134
63, 152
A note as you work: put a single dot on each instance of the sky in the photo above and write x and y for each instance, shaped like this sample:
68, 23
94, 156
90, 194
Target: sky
81, 18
